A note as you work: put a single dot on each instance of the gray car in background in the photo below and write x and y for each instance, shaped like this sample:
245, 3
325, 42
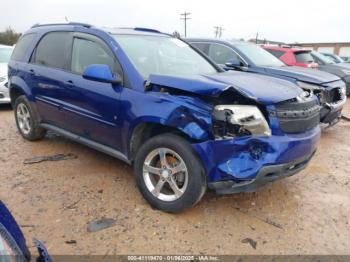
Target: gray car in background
326, 64
335, 58
5, 54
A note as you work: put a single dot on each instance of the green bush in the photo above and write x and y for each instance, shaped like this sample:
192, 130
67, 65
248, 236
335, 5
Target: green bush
9, 37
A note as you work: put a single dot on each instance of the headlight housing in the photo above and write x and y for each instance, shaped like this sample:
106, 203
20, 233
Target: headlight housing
239, 120
346, 71
308, 86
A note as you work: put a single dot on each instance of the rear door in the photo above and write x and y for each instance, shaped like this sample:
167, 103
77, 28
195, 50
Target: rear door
48, 68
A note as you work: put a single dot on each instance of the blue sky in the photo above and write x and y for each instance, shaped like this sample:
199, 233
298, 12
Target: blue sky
288, 21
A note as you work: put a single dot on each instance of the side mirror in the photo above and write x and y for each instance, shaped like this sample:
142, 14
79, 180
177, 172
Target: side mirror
100, 73
233, 63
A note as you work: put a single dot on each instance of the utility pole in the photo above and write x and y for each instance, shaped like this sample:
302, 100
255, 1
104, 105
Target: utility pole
256, 38
185, 16
218, 31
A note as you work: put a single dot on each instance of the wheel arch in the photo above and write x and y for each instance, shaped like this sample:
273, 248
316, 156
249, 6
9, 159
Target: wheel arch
143, 131
19, 87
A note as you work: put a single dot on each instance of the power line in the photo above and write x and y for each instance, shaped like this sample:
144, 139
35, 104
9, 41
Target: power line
185, 17
218, 31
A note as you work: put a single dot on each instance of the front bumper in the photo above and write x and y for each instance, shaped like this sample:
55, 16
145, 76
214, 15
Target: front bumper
242, 160
4, 94
332, 108
265, 175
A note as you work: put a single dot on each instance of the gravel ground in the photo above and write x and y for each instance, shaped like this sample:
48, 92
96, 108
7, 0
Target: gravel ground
308, 213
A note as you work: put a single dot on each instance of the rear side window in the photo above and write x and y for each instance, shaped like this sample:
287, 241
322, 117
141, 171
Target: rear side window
87, 52
221, 54
51, 50
276, 53
303, 57
22, 47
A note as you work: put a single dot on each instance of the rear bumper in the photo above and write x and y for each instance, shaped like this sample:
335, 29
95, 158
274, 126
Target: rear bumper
243, 160
265, 175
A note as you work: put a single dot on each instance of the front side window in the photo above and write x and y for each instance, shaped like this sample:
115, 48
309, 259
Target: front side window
259, 56
222, 54
87, 52
204, 47
51, 50
163, 55
22, 46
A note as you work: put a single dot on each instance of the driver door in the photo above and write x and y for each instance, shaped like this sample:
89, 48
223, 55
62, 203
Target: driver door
93, 107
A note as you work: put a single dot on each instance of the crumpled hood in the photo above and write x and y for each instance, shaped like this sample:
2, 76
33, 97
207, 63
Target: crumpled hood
303, 74
263, 89
3, 69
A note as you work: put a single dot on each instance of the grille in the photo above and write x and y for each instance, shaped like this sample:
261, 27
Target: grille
334, 96
298, 116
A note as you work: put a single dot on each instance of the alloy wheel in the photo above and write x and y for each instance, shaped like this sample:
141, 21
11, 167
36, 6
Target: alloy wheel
23, 118
165, 174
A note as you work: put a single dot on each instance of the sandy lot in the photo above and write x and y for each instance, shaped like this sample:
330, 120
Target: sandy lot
54, 201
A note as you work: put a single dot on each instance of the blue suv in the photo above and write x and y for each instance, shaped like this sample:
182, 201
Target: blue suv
155, 102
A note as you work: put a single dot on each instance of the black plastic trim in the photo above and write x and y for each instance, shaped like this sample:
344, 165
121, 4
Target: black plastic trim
90, 143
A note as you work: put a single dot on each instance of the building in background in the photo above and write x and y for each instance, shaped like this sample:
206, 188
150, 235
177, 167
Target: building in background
339, 48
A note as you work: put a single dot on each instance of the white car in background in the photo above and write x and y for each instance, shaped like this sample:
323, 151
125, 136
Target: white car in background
5, 54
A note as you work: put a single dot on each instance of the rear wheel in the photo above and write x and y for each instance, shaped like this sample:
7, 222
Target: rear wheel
27, 120
169, 174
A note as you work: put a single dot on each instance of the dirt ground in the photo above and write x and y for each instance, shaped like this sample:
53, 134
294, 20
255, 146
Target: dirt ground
308, 213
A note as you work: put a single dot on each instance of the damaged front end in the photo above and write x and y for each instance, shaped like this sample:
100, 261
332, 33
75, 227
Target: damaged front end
332, 97
252, 142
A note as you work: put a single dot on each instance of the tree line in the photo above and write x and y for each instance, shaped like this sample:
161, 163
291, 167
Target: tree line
9, 37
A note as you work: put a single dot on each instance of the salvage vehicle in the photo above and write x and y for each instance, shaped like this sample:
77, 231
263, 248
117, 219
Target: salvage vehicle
157, 103
5, 54
248, 57
292, 56
341, 70
13, 245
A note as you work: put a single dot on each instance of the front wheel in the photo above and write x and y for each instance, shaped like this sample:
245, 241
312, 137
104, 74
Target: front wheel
169, 174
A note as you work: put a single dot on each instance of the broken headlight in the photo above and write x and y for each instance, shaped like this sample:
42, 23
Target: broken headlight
309, 86
239, 120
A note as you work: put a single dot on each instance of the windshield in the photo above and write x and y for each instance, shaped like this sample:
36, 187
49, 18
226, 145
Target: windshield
324, 59
335, 58
5, 54
163, 55
259, 56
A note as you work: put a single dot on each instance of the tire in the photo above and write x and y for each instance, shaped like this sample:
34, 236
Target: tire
27, 120
182, 168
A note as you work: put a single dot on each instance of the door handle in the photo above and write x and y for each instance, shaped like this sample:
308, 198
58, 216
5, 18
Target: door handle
70, 83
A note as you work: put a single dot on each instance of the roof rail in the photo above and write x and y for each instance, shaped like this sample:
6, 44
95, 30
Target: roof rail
146, 30
70, 23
